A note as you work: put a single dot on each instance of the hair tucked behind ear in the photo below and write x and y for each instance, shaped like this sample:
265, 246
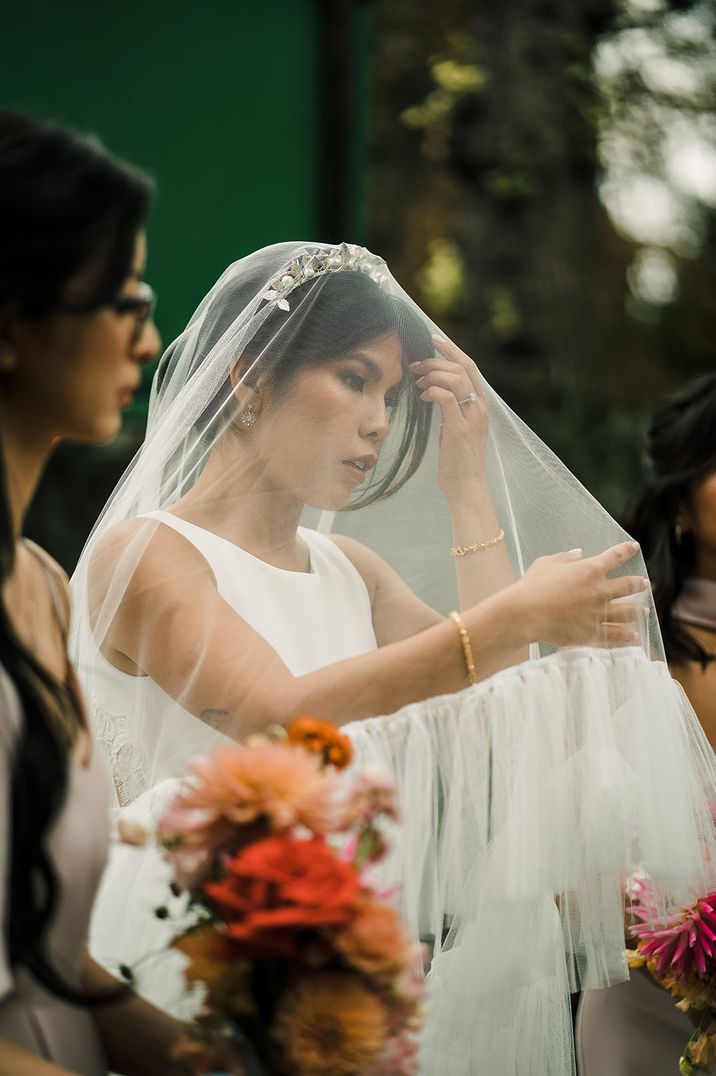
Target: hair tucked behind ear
66, 206
681, 448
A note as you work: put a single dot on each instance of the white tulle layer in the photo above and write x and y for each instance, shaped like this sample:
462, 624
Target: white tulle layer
525, 801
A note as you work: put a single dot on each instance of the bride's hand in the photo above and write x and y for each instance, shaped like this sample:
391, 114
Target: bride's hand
454, 384
568, 600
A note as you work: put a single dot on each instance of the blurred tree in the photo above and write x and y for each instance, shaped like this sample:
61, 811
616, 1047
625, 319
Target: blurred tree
486, 200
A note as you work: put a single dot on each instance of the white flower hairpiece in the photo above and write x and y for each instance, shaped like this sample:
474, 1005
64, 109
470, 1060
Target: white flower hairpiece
332, 259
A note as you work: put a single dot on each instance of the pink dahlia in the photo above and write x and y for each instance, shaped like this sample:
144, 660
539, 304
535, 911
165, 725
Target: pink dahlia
238, 794
684, 943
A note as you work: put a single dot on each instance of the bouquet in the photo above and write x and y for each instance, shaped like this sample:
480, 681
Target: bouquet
304, 967
680, 954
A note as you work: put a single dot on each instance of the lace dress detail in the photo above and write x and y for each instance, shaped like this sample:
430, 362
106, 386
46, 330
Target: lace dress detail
126, 762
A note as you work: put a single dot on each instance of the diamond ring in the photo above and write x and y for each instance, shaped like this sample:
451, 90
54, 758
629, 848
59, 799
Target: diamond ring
468, 399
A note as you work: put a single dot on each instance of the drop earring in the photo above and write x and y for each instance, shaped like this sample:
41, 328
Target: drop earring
248, 416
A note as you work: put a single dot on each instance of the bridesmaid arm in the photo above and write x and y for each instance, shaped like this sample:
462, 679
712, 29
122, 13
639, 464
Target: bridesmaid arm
136, 1036
13, 1059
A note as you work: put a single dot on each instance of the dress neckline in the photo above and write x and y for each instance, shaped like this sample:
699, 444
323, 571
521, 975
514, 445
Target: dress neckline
161, 514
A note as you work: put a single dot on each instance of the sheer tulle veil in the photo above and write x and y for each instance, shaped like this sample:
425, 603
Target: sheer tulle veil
526, 798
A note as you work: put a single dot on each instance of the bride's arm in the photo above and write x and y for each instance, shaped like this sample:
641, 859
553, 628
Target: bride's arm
485, 568
175, 627
397, 612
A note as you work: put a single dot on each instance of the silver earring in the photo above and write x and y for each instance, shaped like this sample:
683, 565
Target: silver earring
248, 417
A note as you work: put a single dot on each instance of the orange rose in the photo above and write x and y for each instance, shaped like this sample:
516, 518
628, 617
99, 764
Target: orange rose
321, 738
277, 888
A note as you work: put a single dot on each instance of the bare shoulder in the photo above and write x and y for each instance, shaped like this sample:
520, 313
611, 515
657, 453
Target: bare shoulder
55, 570
372, 567
57, 573
397, 612
135, 550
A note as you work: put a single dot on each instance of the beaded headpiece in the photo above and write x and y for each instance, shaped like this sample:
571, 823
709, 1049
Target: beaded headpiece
332, 259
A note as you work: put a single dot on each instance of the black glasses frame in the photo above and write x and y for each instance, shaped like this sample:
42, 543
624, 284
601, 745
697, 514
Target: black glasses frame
141, 306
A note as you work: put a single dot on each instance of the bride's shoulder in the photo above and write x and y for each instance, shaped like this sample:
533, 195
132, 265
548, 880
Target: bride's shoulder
366, 561
135, 550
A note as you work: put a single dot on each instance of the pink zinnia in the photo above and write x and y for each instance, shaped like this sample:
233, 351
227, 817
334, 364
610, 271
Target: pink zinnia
372, 796
686, 939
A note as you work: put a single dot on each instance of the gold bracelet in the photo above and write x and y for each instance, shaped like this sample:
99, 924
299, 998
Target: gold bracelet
462, 631
463, 550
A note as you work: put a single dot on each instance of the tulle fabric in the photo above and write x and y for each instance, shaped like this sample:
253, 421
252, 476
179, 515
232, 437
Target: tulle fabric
512, 851
510, 854
527, 798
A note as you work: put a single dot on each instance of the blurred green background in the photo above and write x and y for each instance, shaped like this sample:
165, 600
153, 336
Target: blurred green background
539, 174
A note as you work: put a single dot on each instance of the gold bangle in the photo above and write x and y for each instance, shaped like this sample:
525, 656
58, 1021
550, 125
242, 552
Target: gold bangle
462, 631
463, 550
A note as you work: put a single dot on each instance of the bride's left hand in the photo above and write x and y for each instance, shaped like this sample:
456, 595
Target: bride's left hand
454, 384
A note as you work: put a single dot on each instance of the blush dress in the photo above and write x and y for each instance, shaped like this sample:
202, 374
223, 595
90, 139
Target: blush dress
30, 1017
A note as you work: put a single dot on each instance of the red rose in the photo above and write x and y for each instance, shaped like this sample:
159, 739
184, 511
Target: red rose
279, 886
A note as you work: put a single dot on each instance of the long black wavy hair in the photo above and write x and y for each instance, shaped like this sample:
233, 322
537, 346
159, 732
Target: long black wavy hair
681, 448
66, 207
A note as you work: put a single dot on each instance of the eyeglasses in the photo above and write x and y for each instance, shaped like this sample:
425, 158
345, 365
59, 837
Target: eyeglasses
141, 306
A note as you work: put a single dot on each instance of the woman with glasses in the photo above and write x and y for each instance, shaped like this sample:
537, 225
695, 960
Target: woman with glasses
75, 332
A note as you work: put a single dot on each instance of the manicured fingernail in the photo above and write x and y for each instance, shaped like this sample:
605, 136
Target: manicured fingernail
412, 365
645, 584
635, 546
576, 551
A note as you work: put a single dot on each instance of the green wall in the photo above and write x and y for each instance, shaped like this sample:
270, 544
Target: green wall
215, 98
218, 100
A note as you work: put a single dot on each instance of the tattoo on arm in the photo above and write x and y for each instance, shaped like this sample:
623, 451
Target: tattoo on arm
213, 717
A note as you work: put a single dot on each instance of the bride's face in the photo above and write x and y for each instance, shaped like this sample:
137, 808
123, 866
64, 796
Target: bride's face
320, 437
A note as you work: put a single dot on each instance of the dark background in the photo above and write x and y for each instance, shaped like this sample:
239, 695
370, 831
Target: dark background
539, 174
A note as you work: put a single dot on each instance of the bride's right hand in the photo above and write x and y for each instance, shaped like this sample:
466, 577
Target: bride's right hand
568, 601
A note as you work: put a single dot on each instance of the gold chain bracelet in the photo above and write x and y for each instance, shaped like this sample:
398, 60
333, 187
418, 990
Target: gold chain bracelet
490, 543
462, 631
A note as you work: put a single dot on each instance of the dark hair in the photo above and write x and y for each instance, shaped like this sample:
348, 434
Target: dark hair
66, 207
681, 448
329, 317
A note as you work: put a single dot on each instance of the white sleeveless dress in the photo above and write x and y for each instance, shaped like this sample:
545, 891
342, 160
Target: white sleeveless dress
311, 619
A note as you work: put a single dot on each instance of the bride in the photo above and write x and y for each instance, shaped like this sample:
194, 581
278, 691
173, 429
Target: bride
298, 535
